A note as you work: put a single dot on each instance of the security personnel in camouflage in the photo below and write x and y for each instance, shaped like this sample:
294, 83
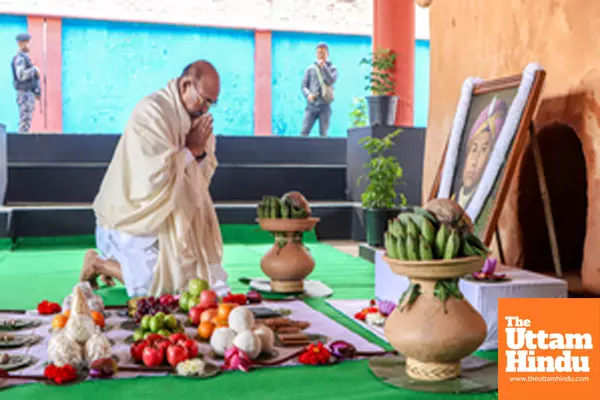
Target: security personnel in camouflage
26, 80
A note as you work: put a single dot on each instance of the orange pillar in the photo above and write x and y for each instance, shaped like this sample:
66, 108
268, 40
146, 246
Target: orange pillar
262, 82
394, 29
46, 53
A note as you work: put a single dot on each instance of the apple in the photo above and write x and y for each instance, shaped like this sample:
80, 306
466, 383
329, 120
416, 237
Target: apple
208, 315
176, 337
191, 346
194, 315
192, 302
166, 299
208, 298
184, 301
137, 350
153, 357
197, 286
162, 345
171, 322
176, 354
153, 337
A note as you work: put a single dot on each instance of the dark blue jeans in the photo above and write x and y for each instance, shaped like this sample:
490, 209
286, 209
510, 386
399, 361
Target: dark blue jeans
322, 112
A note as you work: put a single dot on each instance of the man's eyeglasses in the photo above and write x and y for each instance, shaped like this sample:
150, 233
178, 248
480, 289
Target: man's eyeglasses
208, 102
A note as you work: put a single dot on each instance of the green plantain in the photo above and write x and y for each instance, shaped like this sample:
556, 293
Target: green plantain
412, 248
390, 245
452, 245
425, 251
401, 249
441, 238
412, 228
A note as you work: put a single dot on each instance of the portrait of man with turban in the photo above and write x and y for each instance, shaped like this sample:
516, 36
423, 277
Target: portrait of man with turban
479, 147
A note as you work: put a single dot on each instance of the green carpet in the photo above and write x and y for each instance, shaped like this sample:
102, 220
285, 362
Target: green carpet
47, 269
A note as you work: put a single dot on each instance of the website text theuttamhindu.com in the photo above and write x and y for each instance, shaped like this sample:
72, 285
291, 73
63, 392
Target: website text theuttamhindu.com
558, 379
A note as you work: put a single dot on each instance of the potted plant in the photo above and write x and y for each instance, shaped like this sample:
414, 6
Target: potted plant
383, 103
358, 115
380, 200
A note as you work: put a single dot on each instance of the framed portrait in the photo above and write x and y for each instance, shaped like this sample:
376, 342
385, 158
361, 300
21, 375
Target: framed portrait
489, 133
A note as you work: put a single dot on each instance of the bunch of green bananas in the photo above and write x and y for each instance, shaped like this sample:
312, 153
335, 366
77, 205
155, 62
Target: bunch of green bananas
272, 207
418, 235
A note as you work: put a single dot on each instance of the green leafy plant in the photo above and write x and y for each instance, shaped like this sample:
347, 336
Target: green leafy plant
358, 115
383, 173
380, 78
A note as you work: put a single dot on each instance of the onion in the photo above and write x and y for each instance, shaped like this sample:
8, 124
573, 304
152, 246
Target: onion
253, 297
342, 349
103, 368
386, 307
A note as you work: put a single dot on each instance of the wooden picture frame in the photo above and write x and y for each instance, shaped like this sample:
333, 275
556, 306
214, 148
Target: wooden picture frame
487, 197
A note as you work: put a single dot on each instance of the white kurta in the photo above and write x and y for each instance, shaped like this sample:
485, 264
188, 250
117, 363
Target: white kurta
138, 255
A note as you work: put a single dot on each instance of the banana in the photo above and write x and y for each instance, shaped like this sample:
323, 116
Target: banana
425, 251
274, 208
452, 245
441, 238
400, 227
412, 248
390, 245
427, 230
285, 209
401, 248
412, 228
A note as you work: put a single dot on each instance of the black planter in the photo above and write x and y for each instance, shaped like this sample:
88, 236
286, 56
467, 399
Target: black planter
376, 223
382, 110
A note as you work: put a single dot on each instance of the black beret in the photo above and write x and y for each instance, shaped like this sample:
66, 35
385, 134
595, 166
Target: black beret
23, 37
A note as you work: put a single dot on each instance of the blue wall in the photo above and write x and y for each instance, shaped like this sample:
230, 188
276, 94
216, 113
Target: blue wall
108, 67
292, 54
10, 27
421, 96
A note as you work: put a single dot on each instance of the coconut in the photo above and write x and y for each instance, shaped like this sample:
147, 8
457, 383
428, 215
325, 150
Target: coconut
249, 343
62, 350
80, 326
448, 211
222, 340
241, 319
298, 200
97, 347
267, 338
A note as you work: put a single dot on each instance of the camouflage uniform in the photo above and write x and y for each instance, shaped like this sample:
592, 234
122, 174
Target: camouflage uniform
26, 103
26, 82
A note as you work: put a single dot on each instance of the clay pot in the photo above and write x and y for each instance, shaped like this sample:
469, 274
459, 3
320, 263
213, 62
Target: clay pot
434, 338
288, 262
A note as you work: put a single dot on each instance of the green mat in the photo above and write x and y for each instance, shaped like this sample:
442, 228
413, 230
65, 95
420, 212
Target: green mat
47, 269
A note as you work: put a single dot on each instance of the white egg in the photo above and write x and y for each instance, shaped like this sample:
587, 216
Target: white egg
241, 319
249, 343
267, 338
222, 340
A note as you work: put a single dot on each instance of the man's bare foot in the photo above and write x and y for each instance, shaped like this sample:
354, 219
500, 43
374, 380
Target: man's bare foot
88, 272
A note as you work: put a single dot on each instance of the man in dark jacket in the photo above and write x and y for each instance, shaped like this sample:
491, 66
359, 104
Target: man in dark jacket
26, 80
317, 87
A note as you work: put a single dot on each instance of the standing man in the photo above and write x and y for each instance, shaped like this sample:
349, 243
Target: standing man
26, 80
317, 87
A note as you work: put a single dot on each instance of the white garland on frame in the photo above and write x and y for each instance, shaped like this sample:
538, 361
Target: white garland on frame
460, 119
501, 148
504, 143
